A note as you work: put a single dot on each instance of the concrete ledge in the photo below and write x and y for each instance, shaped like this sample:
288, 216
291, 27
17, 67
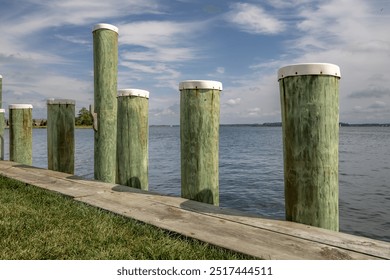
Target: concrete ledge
234, 230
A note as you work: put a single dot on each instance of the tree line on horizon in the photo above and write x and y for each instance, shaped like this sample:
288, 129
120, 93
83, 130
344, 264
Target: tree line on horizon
84, 118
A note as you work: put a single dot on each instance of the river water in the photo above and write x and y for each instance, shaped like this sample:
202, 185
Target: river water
251, 171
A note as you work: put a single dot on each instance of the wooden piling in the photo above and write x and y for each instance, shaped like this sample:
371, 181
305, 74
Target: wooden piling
20, 133
2, 125
132, 138
105, 50
60, 135
1, 91
309, 96
199, 138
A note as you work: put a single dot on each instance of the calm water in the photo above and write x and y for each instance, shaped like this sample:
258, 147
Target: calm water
251, 171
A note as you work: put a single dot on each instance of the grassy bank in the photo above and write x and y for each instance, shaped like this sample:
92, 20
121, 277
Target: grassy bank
38, 224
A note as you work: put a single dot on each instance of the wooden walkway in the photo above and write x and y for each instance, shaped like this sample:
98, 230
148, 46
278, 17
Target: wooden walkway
238, 231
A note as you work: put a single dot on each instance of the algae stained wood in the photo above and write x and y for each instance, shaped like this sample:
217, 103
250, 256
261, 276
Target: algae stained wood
2, 121
1, 92
60, 137
2, 126
105, 49
310, 116
20, 133
132, 148
199, 138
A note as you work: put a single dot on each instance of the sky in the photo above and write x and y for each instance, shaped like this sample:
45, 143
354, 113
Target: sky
46, 52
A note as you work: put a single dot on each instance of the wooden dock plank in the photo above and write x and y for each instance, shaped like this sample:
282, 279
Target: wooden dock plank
239, 237
315, 234
235, 230
36, 177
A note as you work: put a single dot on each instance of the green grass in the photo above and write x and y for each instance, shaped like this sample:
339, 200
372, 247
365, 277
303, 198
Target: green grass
38, 224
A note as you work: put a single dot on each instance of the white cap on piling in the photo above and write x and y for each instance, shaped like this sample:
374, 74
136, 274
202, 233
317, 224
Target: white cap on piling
200, 84
20, 106
319, 69
133, 92
2, 111
1, 77
61, 101
105, 26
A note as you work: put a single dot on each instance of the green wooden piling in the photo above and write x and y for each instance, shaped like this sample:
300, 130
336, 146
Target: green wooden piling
1, 91
20, 133
309, 96
2, 120
199, 138
105, 50
60, 135
2, 125
132, 138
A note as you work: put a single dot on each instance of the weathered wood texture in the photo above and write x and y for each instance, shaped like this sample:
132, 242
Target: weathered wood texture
20, 135
132, 139
310, 117
105, 50
235, 230
60, 136
2, 125
199, 138
2, 121
1, 91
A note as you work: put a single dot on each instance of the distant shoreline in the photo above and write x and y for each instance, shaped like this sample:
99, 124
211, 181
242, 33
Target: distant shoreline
279, 124
276, 124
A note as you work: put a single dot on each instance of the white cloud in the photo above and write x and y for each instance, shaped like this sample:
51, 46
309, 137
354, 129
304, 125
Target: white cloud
233, 102
220, 70
378, 105
38, 41
73, 39
355, 38
354, 35
254, 111
282, 4
34, 53
161, 54
156, 33
158, 49
218, 73
38, 88
371, 92
371, 112
254, 19
51, 13
161, 41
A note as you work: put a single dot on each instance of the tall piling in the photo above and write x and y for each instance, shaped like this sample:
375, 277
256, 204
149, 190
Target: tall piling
20, 133
199, 139
1, 91
105, 58
132, 138
2, 126
2, 120
60, 135
309, 95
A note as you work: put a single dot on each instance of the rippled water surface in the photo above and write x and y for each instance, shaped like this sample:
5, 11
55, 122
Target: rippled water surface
251, 171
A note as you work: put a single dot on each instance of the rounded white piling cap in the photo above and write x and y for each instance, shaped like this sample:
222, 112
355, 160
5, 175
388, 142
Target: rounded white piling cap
133, 92
200, 84
20, 106
1, 77
105, 26
61, 101
319, 69
2, 111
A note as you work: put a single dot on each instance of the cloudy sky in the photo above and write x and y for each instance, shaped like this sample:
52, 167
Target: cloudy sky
46, 51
